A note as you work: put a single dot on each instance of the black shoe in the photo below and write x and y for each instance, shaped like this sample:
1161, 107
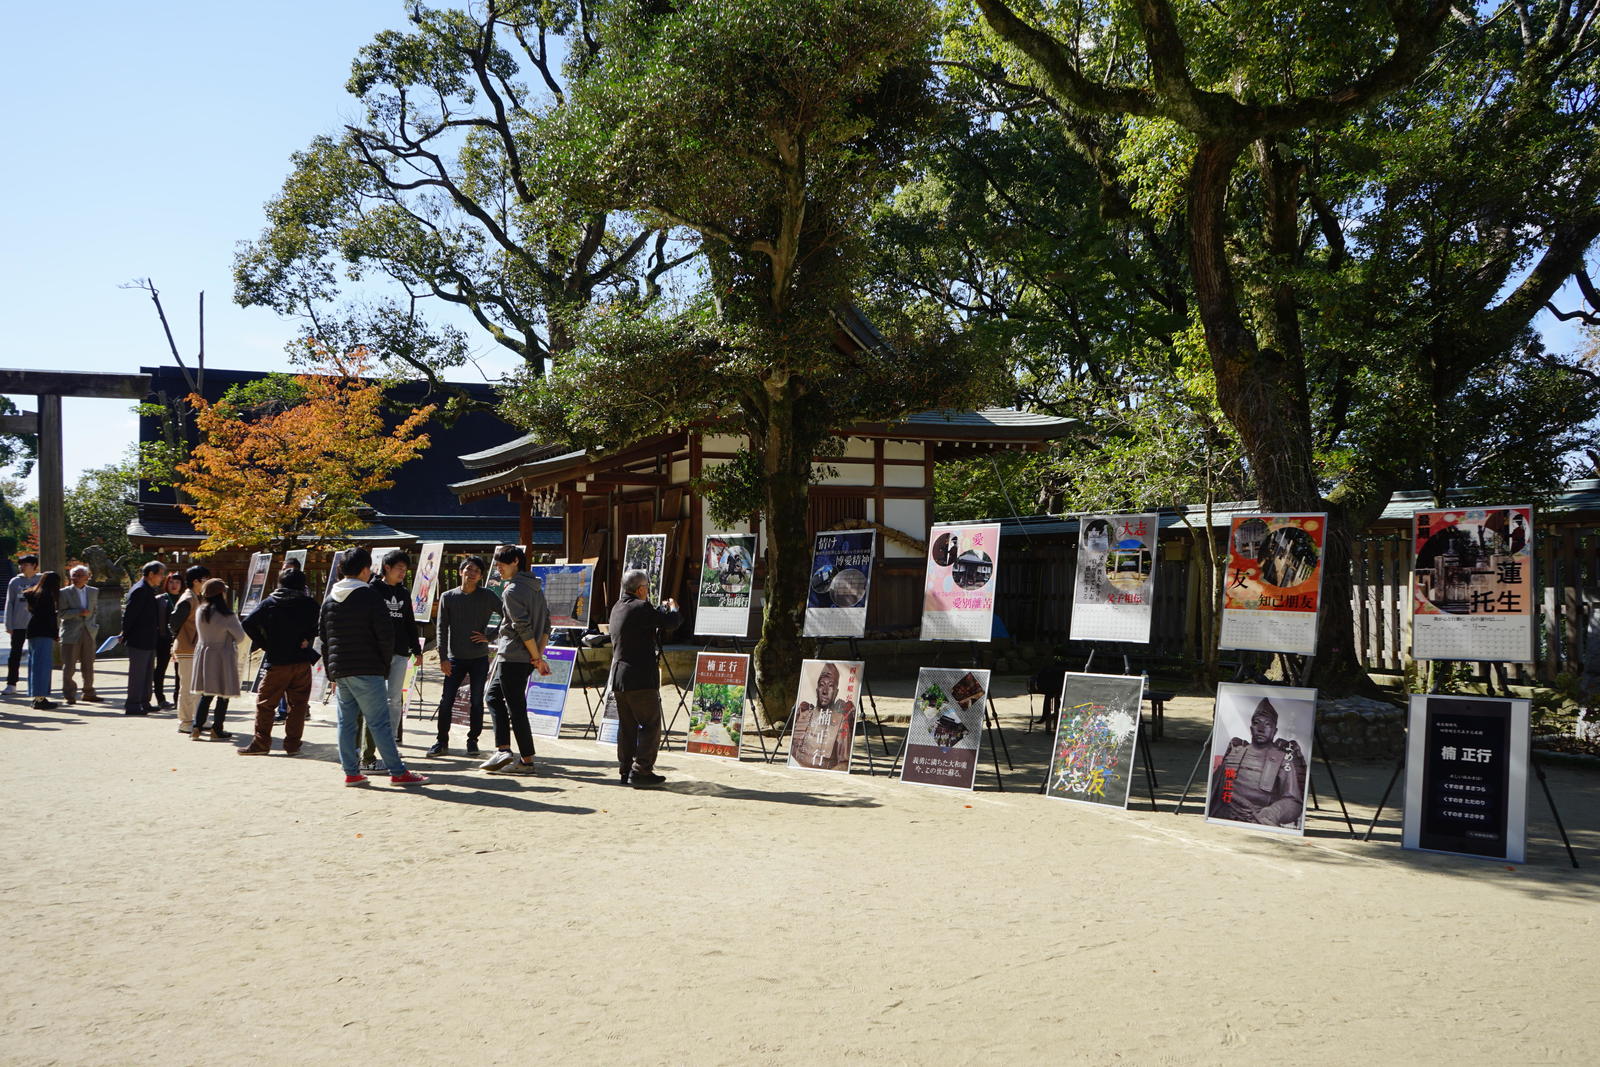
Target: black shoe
623, 777
473, 751
438, 749
136, 711
644, 779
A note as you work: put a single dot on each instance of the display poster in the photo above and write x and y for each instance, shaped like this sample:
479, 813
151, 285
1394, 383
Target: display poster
547, 693
410, 687
319, 672
606, 730
297, 557
496, 585
568, 589
1261, 756
1274, 583
426, 583
823, 723
958, 588
841, 579
461, 706
1467, 776
648, 553
1472, 584
1096, 734
255, 583
727, 573
946, 727
1114, 586
716, 713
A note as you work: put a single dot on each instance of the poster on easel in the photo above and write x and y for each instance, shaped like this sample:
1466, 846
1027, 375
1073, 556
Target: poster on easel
426, 584
568, 592
410, 684
1114, 582
296, 558
716, 709
1260, 765
945, 732
727, 575
547, 693
822, 724
255, 583
1273, 586
959, 584
610, 721
1467, 776
1097, 733
841, 579
648, 553
319, 671
1472, 584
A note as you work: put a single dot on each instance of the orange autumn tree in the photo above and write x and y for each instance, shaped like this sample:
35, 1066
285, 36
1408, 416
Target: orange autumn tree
289, 459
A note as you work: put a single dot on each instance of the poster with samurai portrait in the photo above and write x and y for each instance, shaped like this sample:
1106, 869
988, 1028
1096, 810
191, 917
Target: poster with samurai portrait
1260, 764
958, 588
648, 553
946, 728
1472, 584
716, 712
841, 578
1114, 585
822, 725
568, 590
727, 573
1273, 586
1096, 733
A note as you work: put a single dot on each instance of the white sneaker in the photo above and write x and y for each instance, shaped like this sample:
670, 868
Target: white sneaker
9, 691
496, 761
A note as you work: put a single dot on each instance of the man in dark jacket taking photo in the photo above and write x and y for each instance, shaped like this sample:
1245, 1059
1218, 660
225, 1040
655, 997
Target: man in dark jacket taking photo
284, 626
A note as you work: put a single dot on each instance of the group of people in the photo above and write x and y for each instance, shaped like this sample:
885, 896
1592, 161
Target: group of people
363, 634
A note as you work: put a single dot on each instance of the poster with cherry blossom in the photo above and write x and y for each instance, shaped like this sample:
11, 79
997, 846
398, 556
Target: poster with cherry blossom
1273, 587
1114, 584
958, 588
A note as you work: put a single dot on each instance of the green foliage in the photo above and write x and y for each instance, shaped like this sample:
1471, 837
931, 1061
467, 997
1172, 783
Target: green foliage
100, 507
18, 450
19, 518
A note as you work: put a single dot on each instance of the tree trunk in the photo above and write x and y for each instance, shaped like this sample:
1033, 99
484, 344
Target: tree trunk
786, 452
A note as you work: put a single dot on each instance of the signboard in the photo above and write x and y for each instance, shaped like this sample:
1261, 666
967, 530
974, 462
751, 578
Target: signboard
1115, 581
1467, 776
958, 588
648, 553
426, 583
946, 727
1096, 734
568, 590
319, 672
822, 725
255, 583
841, 579
547, 693
1274, 583
727, 572
1472, 584
1261, 756
297, 557
716, 711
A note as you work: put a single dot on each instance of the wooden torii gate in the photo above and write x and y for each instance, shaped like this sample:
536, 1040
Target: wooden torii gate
50, 386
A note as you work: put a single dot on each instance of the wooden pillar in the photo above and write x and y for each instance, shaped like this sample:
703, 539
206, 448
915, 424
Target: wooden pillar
52, 488
525, 520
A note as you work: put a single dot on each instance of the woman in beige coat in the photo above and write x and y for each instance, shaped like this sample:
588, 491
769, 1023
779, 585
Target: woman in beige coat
214, 677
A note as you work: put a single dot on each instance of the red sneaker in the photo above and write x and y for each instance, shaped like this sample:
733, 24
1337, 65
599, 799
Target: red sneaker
355, 779
408, 778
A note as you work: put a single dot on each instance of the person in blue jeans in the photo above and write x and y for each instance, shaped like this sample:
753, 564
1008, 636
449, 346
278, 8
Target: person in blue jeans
42, 623
357, 646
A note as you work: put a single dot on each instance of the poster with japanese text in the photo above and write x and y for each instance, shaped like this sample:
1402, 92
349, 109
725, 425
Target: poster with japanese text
610, 720
822, 725
1260, 764
1467, 776
1472, 584
1114, 586
716, 711
841, 578
547, 693
648, 553
426, 584
1274, 583
1096, 734
727, 573
958, 588
295, 559
319, 672
946, 727
255, 583
568, 589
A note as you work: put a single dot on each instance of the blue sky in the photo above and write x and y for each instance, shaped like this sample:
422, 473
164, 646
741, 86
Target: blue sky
145, 139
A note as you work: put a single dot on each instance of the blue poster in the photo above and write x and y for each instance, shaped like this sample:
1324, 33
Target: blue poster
567, 589
547, 693
841, 577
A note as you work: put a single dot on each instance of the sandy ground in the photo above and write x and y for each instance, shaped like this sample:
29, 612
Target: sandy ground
167, 902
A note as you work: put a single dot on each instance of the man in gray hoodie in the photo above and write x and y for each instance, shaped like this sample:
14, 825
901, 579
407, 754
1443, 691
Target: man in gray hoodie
524, 629
464, 614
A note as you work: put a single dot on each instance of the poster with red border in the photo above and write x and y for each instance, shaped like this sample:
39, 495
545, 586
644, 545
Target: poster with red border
1273, 587
716, 708
1472, 584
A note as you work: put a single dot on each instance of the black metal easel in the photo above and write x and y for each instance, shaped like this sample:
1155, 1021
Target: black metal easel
868, 699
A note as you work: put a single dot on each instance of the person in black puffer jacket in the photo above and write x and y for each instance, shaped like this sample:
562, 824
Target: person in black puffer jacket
284, 625
391, 585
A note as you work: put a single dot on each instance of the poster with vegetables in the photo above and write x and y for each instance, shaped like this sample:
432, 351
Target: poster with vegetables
946, 728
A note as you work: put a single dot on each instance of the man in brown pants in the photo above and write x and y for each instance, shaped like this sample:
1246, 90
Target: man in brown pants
284, 626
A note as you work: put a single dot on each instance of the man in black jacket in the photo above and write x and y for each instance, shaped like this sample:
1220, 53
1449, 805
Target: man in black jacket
284, 626
636, 677
391, 586
357, 645
141, 626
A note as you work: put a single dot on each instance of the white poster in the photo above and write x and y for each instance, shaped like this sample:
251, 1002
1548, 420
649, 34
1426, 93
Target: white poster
727, 573
1472, 584
841, 579
959, 585
426, 585
1114, 586
1273, 588
1261, 756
